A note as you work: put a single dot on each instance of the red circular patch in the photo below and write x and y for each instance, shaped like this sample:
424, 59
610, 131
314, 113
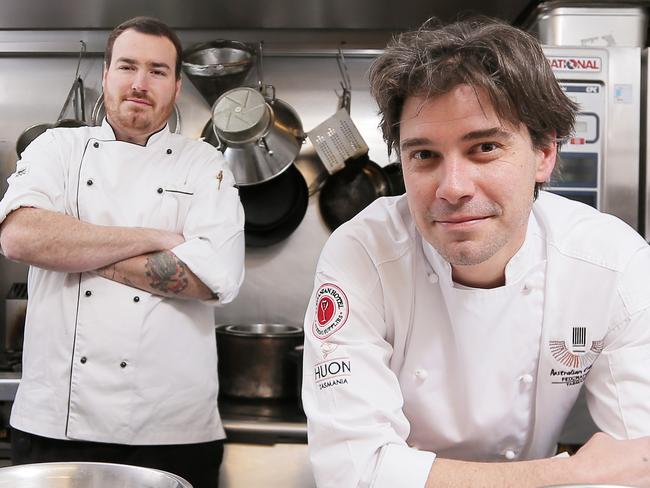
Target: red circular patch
331, 311
325, 310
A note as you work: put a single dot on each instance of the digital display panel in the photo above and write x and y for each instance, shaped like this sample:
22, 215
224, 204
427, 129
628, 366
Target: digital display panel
576, 170
581, 127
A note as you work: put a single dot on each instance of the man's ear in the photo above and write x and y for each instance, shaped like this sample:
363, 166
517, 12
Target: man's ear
178, 87
104, 76
546, 158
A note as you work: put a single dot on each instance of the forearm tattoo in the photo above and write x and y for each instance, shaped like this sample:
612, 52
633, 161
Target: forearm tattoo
166, 273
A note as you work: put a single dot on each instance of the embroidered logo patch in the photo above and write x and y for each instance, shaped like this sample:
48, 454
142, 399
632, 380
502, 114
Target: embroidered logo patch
577, 358
331, 311
327, 348
332, 373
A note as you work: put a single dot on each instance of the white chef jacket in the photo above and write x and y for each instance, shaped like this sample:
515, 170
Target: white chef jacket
103, 361
401, 364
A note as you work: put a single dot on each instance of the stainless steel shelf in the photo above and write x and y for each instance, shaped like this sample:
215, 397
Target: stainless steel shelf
8, 385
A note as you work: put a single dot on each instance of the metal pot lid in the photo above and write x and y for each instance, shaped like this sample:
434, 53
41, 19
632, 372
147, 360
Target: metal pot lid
240, 110
260, 330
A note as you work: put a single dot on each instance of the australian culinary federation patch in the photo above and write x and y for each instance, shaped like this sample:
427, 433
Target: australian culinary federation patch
331, 310
573, 358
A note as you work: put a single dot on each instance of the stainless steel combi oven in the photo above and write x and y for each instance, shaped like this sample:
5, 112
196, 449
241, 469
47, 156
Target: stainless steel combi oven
598, 56
600, 164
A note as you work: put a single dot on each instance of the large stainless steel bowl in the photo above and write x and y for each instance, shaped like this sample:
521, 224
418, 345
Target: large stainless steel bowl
87, 475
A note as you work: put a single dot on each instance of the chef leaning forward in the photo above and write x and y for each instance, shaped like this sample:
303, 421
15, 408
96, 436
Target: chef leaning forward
451, 329
133, 234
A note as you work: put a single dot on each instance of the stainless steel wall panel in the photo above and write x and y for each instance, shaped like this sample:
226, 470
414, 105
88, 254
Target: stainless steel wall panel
279, 279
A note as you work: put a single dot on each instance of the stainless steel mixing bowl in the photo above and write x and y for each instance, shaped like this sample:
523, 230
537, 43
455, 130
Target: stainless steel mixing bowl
87, 475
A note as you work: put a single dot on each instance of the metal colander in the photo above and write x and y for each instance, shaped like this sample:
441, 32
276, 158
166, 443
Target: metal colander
217, 66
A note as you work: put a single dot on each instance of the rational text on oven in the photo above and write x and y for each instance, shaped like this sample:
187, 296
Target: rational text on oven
575, 64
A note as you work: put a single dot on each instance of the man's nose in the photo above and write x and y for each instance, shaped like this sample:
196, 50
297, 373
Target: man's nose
140, 81
457, 180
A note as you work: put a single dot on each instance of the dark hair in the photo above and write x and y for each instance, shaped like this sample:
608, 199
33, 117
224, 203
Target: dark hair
505, 62
145, 25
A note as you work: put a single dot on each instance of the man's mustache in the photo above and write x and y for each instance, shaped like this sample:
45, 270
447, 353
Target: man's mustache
444, 211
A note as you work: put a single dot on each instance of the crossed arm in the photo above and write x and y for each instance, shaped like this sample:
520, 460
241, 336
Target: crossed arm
135, 256
602, 460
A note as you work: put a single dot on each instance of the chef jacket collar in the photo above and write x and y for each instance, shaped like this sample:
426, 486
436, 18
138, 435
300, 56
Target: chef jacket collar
529, 255
107, 133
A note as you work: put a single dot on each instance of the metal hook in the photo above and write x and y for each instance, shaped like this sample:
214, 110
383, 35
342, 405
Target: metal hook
81, 53
345, 98
343, 69
260, 71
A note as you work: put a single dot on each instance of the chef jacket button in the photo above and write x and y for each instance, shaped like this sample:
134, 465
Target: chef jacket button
123, 364
136, 299
88, 293
83, 360
95, 144
169, 151
526, 378
510, 454
159, 190
89, 182
526, 289
421, 373
432, 277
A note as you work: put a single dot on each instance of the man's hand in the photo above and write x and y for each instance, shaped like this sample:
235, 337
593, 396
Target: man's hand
604, 459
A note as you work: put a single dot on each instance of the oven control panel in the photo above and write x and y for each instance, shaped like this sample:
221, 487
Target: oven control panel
578, 172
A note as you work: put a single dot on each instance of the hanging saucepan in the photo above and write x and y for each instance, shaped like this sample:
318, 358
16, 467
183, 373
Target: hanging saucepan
28, 135
350, 190
260, 136
98, 114
217, 66
275, 208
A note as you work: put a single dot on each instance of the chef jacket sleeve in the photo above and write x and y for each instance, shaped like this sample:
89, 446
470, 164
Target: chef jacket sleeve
214, 233
357, 430
39, 179
618, 385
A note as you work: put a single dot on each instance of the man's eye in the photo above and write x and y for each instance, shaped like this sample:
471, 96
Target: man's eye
488, 147
159, 73
422, 154
125, 67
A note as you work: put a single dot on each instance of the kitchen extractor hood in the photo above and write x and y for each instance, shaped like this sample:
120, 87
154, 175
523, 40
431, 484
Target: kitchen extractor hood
252, 14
